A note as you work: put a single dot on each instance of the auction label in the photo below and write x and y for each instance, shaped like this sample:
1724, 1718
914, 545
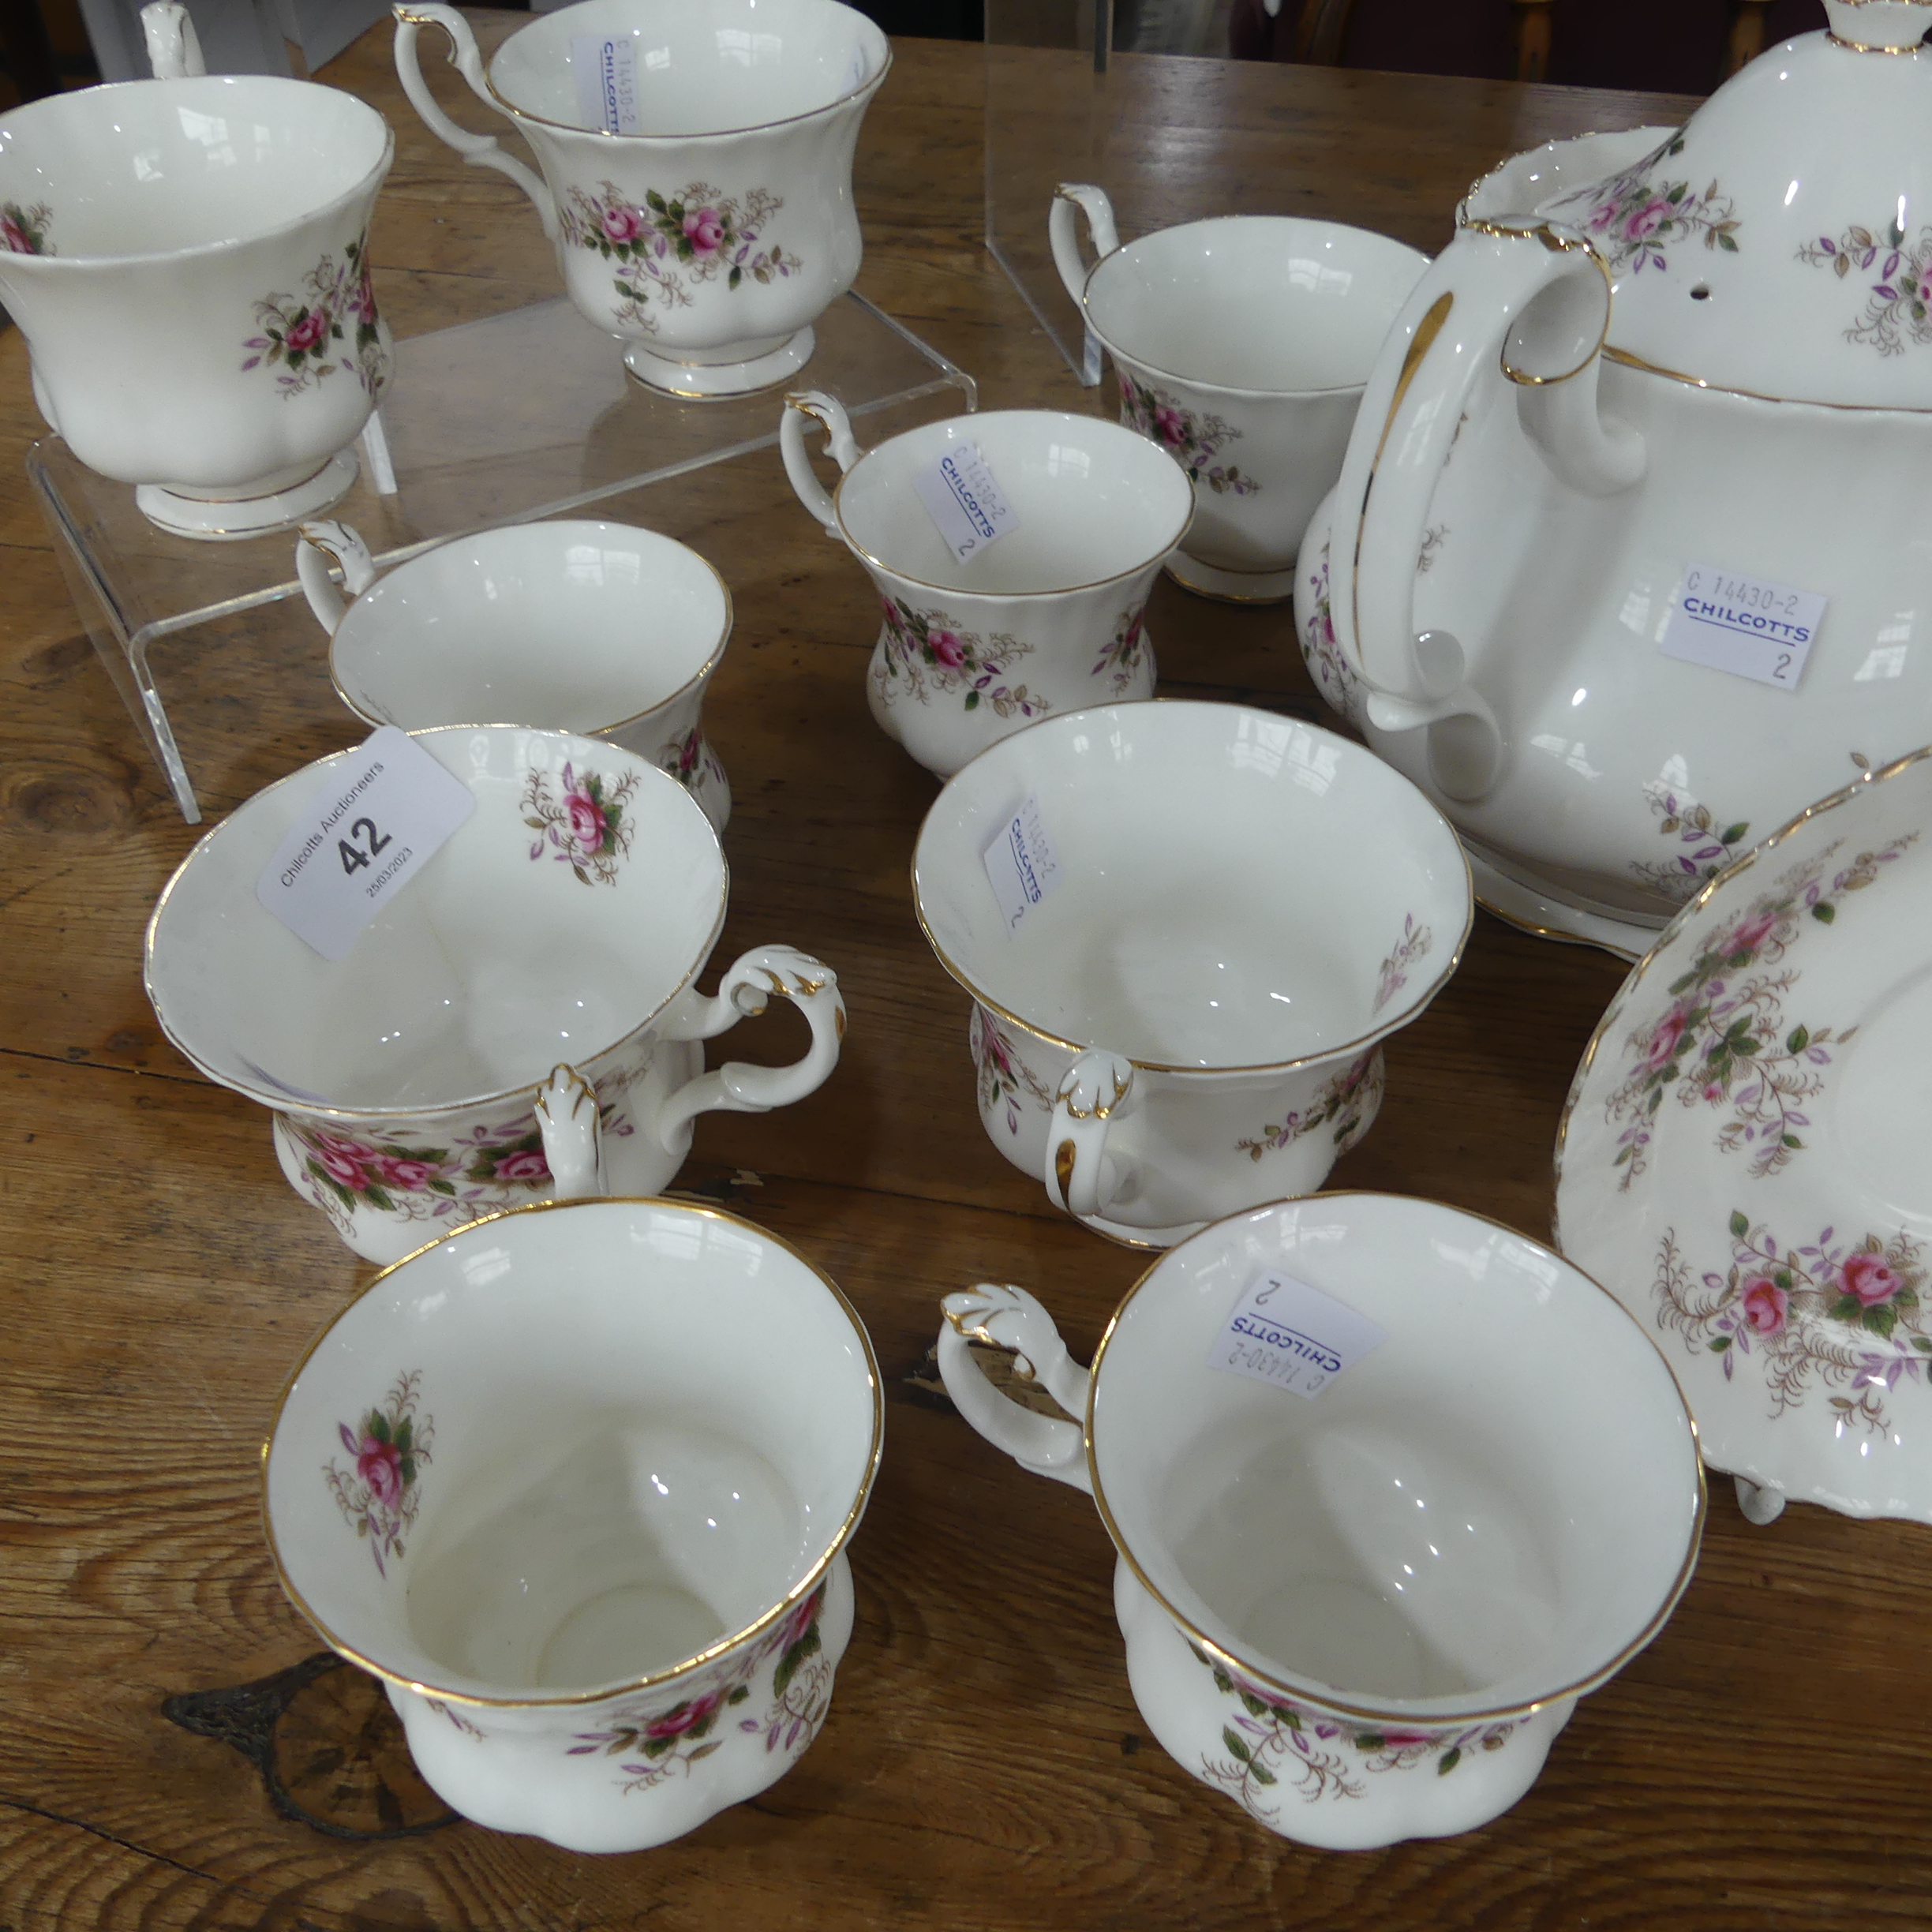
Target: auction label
1021, 865
1283, 1331
964, 501
388, 808
1747, 625
606, 71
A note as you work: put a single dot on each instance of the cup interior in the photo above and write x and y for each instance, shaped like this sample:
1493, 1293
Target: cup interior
701, 66
1094, 501
604, 1480
574, 626
511, 951
1499, 1503
148, 167
1237, 889
1254, 301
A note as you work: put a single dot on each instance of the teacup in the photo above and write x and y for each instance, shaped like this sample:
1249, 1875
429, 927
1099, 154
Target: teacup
601, 629
1242, 346
189, 261
1191, 1020
1364, 1613
531, 1480
566, 920
702, 208
1047, 616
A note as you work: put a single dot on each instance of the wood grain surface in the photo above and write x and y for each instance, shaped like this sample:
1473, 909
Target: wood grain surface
169, 1758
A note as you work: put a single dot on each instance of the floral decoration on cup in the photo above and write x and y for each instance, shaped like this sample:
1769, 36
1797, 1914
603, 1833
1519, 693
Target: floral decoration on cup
1413, 945
585, 828
1899, 300
24, 230
390, 1445
1703, 850
299, 333
1120, 657
933, 653
1193, 441
1634, 218
1003, 1076
1349, 1100
1321, 651
696, 235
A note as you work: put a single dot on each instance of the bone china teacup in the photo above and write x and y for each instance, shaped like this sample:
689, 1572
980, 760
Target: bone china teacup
566, 920
601, 629
1047, 617
576, 1482
1242, 344
189, 261
1364, 1614
715, 228
1191, 1020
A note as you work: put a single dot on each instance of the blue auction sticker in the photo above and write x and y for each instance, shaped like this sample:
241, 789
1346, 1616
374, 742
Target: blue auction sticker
1748, 626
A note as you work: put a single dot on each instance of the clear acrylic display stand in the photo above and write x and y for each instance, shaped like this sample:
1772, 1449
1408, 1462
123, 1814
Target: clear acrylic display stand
1073, 94
524, 415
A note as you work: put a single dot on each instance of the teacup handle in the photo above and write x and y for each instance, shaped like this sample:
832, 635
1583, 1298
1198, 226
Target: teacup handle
1061, 232
317, 545
173, 47
814, 405
738, 1087
1080, 1176
477, 150
1010, 1318
573, 1136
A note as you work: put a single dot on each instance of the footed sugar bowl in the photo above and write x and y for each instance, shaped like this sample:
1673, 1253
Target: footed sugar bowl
1628, 552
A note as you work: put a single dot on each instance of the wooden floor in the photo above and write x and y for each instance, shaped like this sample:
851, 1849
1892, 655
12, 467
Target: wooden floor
1762, 1766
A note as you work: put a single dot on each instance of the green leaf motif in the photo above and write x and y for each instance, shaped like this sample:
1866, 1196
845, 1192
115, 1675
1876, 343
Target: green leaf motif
1732, 833
807, 1645
1449, 1761
1824, 911
1235, 1745
1798, 1039
1739, 1226
1259, 1773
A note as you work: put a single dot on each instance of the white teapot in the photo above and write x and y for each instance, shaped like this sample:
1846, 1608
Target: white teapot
1666, 393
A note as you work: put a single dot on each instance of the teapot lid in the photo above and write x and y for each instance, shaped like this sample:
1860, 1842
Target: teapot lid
1780, 243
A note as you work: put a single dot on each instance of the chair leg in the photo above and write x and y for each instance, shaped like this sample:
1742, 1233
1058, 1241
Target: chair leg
1530, 31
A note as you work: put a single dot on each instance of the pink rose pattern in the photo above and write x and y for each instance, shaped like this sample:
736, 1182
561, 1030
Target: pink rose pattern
925, 652
1722, 1038
1194, 442
378, 1494
1321, 651
1005, 1079
1633, 218
1348, 1101
584, 826
24, 230
1274, 1746
659, 1743
477, 1172
1898, 297
1706, 845
659, 251
1120, 656
1847, 1315
331, 325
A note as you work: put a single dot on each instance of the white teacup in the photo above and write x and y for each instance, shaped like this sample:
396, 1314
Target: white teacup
1364, 1615
566, 921
533, 1479
1191, 1020
189, 261
714, 236
1048, 617
1242, 346
601, 629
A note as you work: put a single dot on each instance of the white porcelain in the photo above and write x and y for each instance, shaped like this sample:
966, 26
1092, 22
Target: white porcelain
1742, 1158
188, 259
603, 1576
1192, 1022
1364, 1616
601, 629
1048, 617
1521, 507
714, 238
565, 922
1241, 345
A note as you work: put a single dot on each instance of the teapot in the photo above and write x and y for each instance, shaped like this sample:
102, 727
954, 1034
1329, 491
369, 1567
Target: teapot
1631, 539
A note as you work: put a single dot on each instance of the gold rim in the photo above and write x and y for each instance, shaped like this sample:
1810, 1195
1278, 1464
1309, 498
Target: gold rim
587, 731
1612, 353
1462, 215
1404, 1708
794, 1597
1408, 1014
1152, 561
287, 1102
1548, 932
1671, 933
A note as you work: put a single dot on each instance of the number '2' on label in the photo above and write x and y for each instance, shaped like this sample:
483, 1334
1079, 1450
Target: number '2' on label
963, 499
1748, 626
1020, 863
1285, 1331
382, 813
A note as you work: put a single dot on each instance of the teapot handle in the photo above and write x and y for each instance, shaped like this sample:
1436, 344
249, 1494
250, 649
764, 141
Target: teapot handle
1532, 299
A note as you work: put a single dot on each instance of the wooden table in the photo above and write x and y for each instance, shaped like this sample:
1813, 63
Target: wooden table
984, 1766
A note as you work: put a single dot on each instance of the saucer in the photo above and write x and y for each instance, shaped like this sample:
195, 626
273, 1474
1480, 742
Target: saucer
1742, 1160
